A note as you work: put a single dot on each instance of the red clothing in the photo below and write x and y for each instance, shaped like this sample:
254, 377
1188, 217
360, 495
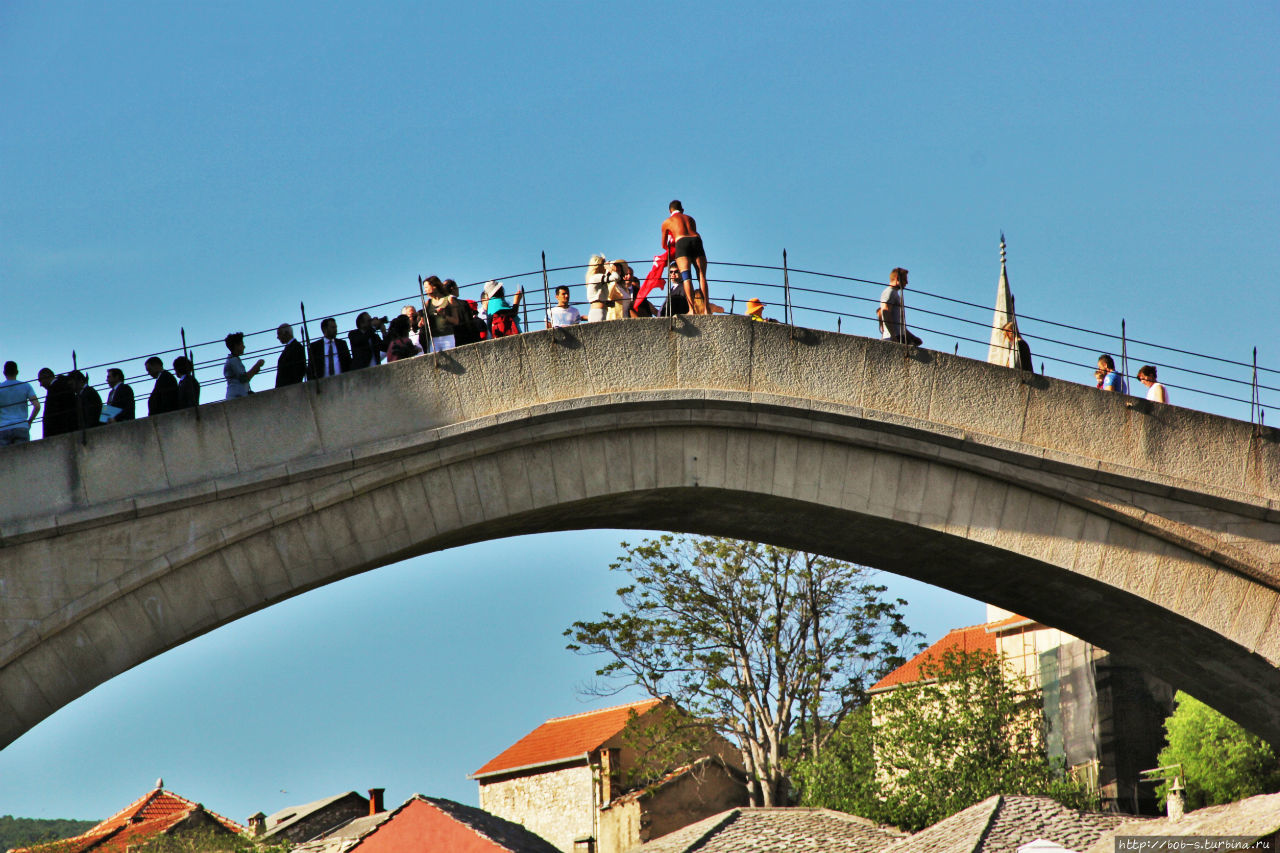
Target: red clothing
654, 279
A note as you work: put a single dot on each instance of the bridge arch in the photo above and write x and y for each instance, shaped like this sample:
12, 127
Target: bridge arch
1146, 530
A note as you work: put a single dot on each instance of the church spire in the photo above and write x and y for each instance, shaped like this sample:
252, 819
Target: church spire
1001, 351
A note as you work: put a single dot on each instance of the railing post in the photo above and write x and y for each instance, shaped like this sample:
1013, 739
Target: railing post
1124, 355
786, 294
75, 368
1255, 399
306, 347
546, 298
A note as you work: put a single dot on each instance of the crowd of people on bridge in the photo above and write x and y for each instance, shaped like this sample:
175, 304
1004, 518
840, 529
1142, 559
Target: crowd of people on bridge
443, 321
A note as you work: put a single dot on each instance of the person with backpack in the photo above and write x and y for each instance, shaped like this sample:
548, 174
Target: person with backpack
501, 314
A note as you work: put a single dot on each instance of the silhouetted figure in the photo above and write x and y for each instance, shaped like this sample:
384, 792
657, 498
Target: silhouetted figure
59, 403
292, 366
367, 345
164, 396
188, 385
88, 401
120, 395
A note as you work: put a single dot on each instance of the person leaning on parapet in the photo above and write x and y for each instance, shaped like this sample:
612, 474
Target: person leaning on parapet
59, 403
15, 423
328, 356
188, 385
562, 313
88, 401
1156, 392
892, 312
1108, 379
367, 344
233, 371
164, 396
1022, 350
291, 367
680, 231
120, 396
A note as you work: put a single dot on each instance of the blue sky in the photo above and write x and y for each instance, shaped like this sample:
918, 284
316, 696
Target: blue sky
210, 166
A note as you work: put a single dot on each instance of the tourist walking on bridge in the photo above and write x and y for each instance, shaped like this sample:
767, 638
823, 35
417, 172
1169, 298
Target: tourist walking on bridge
1108, 379
892, 312
120, 397
1156, 392
233, 371
59, 403
188, 385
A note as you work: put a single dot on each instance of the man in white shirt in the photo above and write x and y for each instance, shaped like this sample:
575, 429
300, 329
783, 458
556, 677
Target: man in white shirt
892, 312
15, 425
562, 313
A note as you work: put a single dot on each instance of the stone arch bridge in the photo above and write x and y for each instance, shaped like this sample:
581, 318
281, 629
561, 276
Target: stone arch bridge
1146, 529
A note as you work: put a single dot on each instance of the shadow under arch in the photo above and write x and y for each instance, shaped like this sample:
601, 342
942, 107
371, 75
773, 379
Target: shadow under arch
984, 518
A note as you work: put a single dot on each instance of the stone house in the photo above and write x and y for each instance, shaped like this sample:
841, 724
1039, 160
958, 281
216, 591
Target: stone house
296, 824
570, 781
426, 825
157, 814
1105, 716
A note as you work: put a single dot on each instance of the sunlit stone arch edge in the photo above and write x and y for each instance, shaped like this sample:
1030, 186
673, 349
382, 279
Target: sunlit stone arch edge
998, 522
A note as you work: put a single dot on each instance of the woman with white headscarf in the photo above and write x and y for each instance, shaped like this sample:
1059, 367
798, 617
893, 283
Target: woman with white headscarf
598, 280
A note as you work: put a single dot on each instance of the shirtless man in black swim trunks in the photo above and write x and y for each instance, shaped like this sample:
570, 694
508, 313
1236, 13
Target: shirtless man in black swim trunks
683, 231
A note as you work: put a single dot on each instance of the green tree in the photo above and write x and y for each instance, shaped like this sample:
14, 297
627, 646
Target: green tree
927, 750
26, 831
755, 642
1221, 762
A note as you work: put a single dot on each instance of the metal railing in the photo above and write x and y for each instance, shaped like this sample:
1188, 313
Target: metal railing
811, 299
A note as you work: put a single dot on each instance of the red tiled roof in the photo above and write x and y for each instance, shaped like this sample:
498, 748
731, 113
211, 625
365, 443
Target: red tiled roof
154, 813
975, 638
1008, 622
564, 738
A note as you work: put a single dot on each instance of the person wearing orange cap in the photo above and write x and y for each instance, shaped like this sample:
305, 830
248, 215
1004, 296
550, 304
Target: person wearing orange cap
755, 310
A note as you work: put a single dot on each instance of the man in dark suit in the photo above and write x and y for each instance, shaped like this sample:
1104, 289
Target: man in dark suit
88, 401
188, 386
120, 395
292, 366
328, 356
59, 403
367, 344
164, 396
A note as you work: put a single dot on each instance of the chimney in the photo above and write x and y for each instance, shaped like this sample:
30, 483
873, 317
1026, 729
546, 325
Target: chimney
257, 824
375, 800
